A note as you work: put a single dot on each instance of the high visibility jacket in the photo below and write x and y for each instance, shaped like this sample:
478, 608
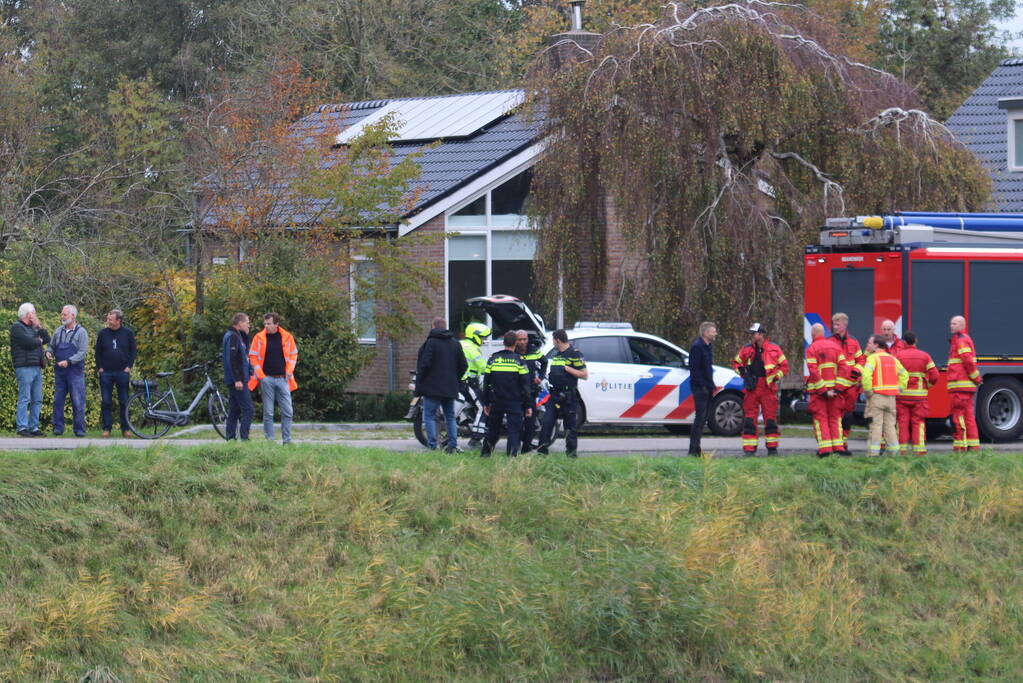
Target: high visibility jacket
775, 363
896, 348
257, 356
922, 373
883, 374
474, 357
963, 374
827, 365
854, 357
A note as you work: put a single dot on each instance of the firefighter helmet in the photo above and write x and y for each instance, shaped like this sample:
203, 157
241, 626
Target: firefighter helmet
475, 332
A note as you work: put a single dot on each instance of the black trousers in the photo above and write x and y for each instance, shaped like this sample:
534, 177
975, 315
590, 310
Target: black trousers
514, 415
239, 412
701, 399
563, 404
529, 427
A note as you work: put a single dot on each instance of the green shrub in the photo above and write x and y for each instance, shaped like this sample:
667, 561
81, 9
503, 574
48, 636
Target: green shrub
303, 290
9, 388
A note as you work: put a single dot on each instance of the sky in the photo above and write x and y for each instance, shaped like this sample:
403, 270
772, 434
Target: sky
1014, 25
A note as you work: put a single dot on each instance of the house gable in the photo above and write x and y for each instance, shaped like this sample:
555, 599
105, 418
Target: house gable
984, 123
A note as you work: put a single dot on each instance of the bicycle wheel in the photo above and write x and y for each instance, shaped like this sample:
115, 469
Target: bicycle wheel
142, 425
217, 405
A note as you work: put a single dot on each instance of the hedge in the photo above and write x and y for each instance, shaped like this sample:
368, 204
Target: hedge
9, 385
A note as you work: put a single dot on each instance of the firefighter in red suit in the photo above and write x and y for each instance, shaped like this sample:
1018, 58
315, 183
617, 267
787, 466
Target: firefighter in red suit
892, 343
761, 364
827, 365
963, 379
911, 405
850, 386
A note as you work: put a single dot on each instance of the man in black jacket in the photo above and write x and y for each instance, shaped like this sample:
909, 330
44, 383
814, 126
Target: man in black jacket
439, 368
27, 340
701, 381
507, 397
115, 356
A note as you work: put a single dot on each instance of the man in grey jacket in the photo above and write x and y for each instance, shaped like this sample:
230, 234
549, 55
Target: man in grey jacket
68, 347
27, 340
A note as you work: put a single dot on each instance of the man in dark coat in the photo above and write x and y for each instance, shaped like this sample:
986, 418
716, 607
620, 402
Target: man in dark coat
701, 381
439, 370
28, 337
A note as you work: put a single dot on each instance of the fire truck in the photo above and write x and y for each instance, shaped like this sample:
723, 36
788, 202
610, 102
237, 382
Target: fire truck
920, 269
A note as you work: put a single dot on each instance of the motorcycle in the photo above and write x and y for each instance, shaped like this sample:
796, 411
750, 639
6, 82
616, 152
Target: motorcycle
470, 421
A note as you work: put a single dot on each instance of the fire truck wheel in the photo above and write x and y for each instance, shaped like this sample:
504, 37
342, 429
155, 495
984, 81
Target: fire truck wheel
1000, 409
725, 414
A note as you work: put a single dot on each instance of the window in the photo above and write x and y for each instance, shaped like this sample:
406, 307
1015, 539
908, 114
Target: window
937, 295
994, 326
650, 352
508, 201
852, 293
473, 214
467, 276
363, 305
600, 349
1015, 151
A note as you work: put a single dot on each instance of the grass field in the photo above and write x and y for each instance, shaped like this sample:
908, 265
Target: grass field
253, 563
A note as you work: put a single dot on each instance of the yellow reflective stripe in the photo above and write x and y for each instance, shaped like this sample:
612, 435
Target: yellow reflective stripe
930, 365
782, 358
828, 365
975, 374
964, 349
844, 382
961, 384
953, 361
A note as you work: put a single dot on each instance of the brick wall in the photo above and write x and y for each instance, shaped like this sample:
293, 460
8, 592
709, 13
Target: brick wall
374, 377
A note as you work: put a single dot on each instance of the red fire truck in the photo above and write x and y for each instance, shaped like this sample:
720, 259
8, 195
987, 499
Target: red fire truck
919, 270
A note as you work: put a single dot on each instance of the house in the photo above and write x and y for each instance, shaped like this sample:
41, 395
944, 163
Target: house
990, 123
473, 186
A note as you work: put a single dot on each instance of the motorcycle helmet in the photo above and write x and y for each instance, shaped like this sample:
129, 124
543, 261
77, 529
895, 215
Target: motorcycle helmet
475, 332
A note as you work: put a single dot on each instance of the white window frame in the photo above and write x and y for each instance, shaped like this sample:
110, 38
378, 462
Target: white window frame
353, 304
1013, 116
486, 230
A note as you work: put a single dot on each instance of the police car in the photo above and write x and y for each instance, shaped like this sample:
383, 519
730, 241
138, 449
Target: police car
635, 378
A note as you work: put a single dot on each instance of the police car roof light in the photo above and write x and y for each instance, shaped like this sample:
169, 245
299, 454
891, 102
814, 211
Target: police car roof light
602, 325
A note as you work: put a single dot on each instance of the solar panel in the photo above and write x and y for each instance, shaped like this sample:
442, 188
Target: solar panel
439, 117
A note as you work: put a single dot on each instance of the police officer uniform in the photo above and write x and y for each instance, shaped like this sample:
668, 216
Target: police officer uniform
564, 401
506, 392
536, 363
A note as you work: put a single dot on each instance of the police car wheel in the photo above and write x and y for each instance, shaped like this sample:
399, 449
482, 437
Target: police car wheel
725, 414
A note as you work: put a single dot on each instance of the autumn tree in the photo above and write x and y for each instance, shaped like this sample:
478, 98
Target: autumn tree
713, 143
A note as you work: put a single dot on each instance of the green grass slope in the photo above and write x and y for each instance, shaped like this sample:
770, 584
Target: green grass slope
330, 564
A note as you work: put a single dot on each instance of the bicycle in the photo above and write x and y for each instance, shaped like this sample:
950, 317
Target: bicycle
152, 412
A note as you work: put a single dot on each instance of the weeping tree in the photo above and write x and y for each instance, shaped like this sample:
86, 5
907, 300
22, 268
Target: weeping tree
688, 163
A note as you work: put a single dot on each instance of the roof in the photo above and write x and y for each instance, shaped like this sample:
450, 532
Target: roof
982, 126
450, 165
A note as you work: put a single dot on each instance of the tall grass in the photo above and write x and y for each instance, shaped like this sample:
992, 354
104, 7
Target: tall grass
327, 564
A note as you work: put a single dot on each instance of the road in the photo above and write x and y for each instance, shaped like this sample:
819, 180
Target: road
588, 445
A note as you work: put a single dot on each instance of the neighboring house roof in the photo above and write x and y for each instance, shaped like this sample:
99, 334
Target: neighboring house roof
451, 165
982, 126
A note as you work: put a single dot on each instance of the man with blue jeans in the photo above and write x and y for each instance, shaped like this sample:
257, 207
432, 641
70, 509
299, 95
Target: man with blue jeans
235, 353
439, 369
115, 355
27, 340
273, 356
68, 348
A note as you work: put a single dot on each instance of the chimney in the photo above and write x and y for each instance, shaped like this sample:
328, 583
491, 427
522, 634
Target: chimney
573, 45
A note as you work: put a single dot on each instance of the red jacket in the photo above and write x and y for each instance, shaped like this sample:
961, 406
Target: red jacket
922, 373
963, 374
775, 363
896, 348
855, 358
827, 365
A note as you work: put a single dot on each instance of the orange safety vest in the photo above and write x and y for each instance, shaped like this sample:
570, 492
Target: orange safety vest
257, 356
883, 374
